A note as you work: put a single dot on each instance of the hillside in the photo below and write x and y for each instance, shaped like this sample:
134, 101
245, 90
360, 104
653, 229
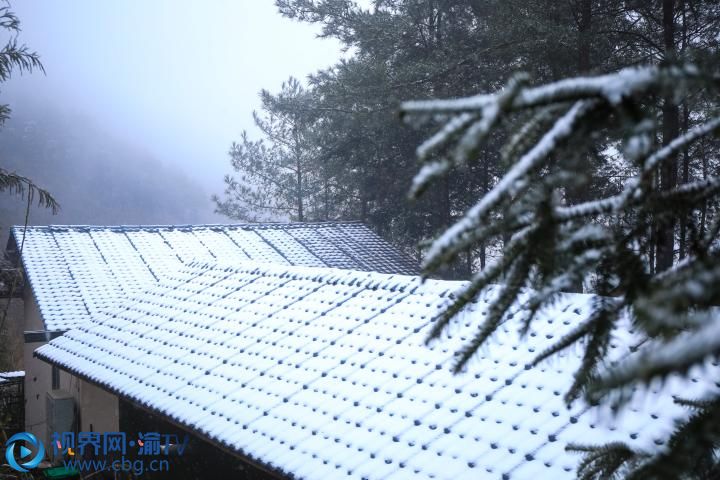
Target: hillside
97, 178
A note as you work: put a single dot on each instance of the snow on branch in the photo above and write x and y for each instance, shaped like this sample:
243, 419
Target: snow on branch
559, 232
678, 354
632, 193
445, 247
612, 88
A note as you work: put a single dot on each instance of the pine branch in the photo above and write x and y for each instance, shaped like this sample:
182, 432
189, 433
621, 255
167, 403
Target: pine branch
476, 127
529, 133
632, 194
517, 278
595, 350
480, 281
605, 461
20, 58
17, 184
444, 247
586, 328
691, 450
555, 246
612, 88
674, 356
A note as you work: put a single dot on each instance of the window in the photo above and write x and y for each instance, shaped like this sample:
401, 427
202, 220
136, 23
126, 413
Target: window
55, 378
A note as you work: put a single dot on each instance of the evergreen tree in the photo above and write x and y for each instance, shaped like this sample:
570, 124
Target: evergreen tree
408, 49
554, 243
277, 174
604, 183
404, 49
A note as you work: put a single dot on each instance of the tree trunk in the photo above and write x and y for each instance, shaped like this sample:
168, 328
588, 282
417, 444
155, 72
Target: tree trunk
326, 195
670, 129
584, 40
363, 204
482, 256
686, 218
703, 212
445, 215
584, 22
485, 186
301, 214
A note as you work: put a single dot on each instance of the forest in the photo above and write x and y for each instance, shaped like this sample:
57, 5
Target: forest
336, 148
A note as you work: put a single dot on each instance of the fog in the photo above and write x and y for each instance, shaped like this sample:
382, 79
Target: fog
174, 80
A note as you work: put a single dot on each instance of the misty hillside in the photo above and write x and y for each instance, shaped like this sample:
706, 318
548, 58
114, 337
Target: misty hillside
96, 178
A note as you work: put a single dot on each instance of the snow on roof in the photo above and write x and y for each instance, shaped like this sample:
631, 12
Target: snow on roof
77, 270
324, 373
6, 376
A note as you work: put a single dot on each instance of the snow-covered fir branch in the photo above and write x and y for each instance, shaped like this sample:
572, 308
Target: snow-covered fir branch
613, 88
563, 233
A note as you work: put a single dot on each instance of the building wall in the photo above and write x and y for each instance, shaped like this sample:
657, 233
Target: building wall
96, 409
38, 374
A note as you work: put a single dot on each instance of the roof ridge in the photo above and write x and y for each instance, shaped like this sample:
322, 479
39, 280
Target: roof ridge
190, 226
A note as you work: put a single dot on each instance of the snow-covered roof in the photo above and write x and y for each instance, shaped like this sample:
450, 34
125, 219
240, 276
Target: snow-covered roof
77, 270
324, 373
6, 376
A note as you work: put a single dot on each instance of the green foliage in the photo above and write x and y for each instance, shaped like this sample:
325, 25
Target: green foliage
405, 49
605, 177
691, 452
14, 57
604, 461
402, 50
281, 176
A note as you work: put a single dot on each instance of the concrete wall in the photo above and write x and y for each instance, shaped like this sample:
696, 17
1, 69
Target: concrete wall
98, 409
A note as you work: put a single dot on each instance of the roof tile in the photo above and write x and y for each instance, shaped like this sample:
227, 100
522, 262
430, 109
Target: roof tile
78, 270
322, 372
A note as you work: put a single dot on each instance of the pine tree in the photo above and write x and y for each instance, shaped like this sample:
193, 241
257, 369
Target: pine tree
403, 49
277, 174
406, 49
554, 243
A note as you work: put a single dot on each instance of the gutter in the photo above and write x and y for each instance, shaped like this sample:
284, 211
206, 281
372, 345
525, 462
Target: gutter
42, 336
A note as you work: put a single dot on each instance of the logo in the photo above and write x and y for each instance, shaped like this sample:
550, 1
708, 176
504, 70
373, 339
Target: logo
23, 451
